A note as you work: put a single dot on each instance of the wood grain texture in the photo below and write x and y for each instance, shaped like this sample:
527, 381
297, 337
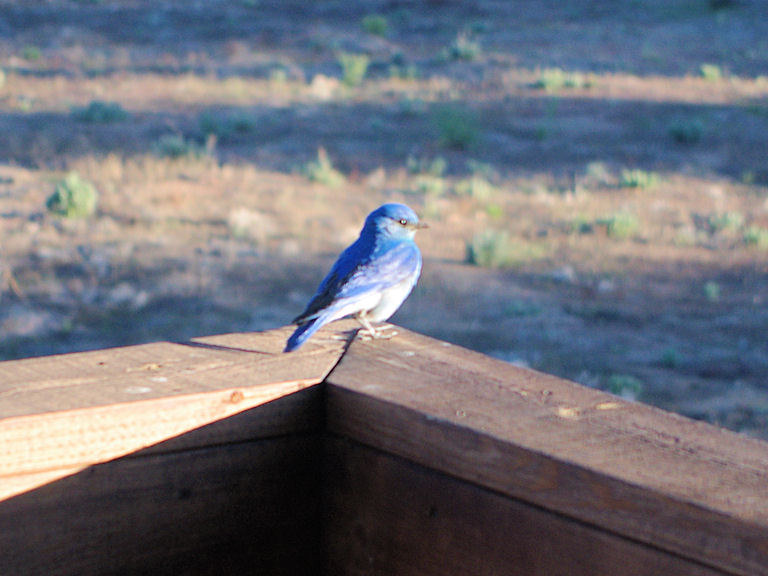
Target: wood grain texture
694, 490
63, 413
385, 515
245, 508
162, 370
37, 449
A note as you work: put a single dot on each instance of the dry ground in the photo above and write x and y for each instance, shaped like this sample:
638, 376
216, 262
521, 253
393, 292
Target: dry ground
460, 117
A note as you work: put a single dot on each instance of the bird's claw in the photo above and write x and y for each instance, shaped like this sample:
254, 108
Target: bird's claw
379, 334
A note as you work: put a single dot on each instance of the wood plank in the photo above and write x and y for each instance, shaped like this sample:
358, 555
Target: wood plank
385, 515
105, 404
697, 491
245, 508
163, 369
37, 449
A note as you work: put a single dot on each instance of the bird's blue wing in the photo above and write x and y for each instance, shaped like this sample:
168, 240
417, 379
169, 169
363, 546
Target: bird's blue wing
347, 263
355, 278
392, 267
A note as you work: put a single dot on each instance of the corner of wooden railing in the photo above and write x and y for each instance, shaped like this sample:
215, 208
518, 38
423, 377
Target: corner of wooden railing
654, 492
410, 454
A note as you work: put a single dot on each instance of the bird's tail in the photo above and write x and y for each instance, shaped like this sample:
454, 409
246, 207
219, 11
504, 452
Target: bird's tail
302, 334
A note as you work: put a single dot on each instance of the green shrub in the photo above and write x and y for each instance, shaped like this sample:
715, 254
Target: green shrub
435, 167
686, 131
670, 358
409, 72
400, 68
375, 24
457, 127
711, 72
462, 48
278, 75
717, 5
757, 237
725, 222
494, 211
597, 172
638, 179
428, 174
429, 184
31, 53
581, 225
227, 126
354, 67
322, 170
555, 79
175, 146
408, 106
99, 112
620, 225
73, 197
211, 123
475, 187
481, 169
242, 123
495, 249
712, 291
624, 385
490, 249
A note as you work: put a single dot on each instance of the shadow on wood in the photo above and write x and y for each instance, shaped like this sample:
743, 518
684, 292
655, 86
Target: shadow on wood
634, 471
386, 515
238, 496
404, 457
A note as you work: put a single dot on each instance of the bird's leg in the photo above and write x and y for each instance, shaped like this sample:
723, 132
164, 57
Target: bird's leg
363, 319
373, 334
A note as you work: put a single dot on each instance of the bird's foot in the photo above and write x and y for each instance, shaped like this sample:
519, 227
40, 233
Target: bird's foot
385, 332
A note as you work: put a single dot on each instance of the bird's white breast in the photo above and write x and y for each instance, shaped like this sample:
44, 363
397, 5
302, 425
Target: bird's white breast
391, 299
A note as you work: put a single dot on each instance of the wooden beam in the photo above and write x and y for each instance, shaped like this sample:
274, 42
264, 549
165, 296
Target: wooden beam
386, 515
243, 508
621, 488
693, 490
162, 370
60, 414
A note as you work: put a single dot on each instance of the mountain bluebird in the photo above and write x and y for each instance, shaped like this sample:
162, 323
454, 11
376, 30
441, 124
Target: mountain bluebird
371, 278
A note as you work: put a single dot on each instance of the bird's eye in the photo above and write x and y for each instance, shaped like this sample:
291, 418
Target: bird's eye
403, 222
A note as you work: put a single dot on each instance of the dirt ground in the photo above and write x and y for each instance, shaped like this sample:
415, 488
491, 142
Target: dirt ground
615, 155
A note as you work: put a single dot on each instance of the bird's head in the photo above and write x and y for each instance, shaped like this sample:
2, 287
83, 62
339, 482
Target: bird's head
395, 220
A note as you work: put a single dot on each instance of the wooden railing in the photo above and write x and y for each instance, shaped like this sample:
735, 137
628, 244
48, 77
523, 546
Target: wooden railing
405, 456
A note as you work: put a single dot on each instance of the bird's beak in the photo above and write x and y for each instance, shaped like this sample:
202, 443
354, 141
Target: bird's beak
421, 225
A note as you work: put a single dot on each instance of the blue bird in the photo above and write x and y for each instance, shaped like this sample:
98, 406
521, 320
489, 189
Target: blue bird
370, 279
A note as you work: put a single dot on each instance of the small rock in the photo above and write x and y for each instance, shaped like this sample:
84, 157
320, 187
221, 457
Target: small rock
126, 295
24, 322
252, 224
606, 286
289, 248
565, 275
323, 87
